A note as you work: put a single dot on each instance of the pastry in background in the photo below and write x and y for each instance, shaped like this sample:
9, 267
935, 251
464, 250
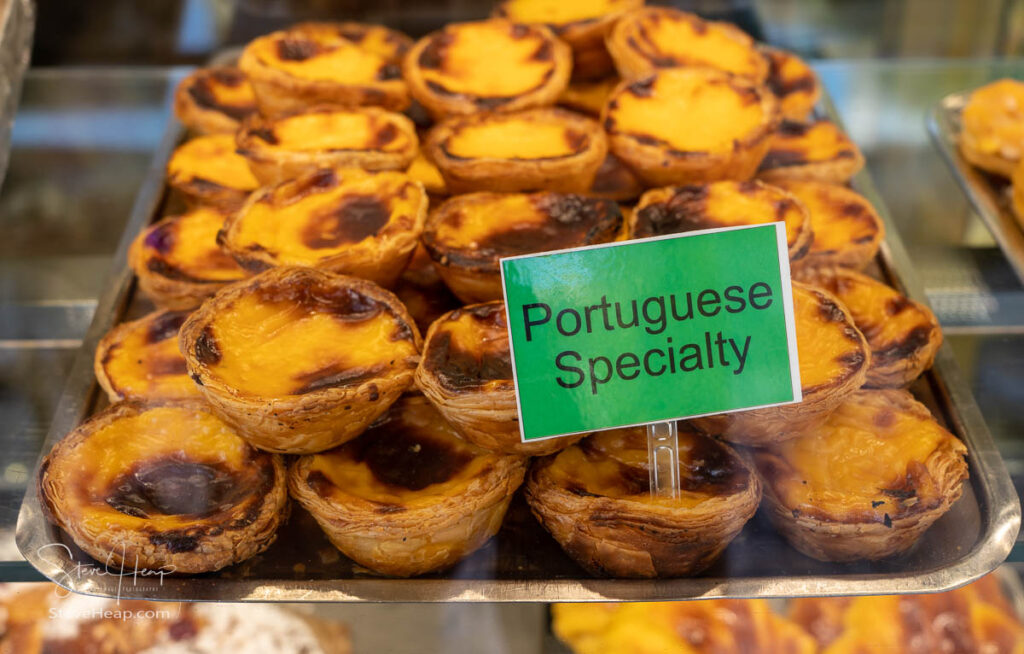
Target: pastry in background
847, 229
344, 221
214, 100
867, 483
408, 496
992, 127
208, 171
140, 360
793, 81
178, 262
326, 64
545, 149
423, 170
468, 234
491, 65
588, 97
650, 126
615, 181
595, 500
300, 360
818, 151
163, 487
323, 137
654, 38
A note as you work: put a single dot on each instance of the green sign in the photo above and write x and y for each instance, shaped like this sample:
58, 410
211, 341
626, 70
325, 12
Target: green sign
649, 330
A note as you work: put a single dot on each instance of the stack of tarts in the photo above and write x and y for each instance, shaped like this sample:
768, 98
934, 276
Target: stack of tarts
322, 231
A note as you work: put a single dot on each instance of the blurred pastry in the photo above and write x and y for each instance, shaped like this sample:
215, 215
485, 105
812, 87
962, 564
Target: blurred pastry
299, 360
408, 496
650, 126
834, 360
793, 81
992, 127
163, 487
424, 171
140, 360
466, 372
214, 100
866, 483
326, 64
653, 38
492, 65
818, 151
615, 181
594, 498
678, 209
544, 149
904, 335
468, 234
368, 137
208, 171
348, 221
582, 24
588, 97
847, 229
178, 262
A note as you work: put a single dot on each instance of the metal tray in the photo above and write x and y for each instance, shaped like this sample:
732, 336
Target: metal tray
988, 193
523, 563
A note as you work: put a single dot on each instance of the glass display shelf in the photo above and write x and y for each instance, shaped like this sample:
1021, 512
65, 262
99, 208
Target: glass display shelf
83, 137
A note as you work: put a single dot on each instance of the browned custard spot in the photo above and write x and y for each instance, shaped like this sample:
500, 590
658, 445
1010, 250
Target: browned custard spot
796, 144
170, 486
470, 348
400, 456
184, 248
143, 359
357, 217
225, 90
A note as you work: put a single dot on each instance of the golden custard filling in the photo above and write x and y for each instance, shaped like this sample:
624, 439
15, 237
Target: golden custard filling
338, 130
827, 347
561, 12
493, 58
162, 469
468, 350
423, 170
185, 248
588, 97
840, 218
514, 137
719, 204
305, 222
145, 360
212, 159
614, 464
796, 144
993, 119
321, 55
860, 462
887, 317
226, 90
670, 39
411, 459
271, 343
668, 105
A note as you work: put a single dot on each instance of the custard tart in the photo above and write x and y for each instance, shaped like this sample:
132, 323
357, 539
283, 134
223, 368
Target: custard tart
423, 170
677, 209
583, 24
140, 360
331, 64
214, 100
207, 170
349, 221
594, 498
365, 137
992, 127
466, 372
793, 81
904, 335
650, 124
653, 38
865, 484
468, 234
408, 496
178, 262
588, 97
166, 487
299, 360
491, 65
543, 149
847, 229
834, 359
818, 151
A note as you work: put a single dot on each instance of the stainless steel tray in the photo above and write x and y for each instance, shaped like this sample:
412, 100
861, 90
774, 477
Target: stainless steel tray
523, 563
989, 194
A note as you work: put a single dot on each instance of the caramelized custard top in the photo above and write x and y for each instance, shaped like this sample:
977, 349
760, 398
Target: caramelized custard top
797, 144
468, 350
561, 13
840, 217
829, 347
211, 160
322, 54
531, 134
144, 362
184, 248
224, 90
336, 130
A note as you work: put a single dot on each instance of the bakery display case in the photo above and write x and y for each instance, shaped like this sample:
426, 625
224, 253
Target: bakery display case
258, 351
